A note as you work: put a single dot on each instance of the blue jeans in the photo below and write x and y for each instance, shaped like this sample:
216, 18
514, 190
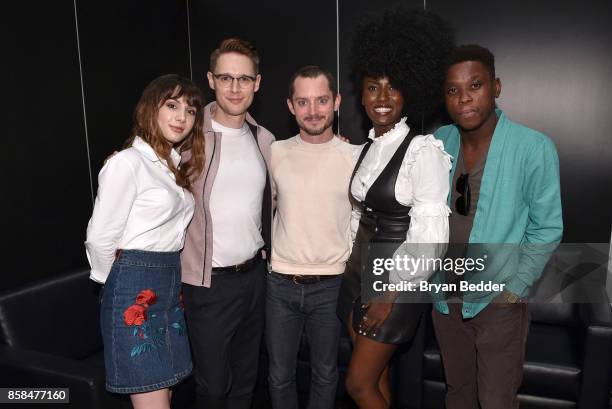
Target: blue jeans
290, 309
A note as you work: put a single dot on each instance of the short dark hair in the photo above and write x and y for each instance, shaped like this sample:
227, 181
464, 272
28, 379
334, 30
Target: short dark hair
473, 52
235, 45
313, 71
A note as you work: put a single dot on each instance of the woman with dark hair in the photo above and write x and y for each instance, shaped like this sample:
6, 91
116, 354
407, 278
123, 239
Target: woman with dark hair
399, 188
137, 228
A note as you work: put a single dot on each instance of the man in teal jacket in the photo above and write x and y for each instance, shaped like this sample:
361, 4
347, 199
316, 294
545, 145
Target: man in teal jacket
505, 198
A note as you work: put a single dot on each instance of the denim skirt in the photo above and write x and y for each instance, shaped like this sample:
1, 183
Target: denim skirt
143, 325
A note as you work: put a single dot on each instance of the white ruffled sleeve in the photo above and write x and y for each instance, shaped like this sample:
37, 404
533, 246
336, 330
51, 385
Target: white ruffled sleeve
423, 183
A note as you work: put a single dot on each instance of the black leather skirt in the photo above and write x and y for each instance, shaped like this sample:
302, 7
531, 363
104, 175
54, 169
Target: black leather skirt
406, 314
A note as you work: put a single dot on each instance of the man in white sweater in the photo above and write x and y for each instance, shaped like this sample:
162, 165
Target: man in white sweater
311, 241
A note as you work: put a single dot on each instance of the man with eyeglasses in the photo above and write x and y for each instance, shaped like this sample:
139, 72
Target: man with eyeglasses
223, 266
505, 190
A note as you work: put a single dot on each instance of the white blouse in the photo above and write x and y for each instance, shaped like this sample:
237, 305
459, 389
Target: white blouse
139, 206
422, 183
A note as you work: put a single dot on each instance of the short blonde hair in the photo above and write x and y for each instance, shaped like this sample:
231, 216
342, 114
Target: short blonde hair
235, 45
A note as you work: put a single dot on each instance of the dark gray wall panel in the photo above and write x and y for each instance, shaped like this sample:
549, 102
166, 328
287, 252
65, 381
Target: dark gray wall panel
46, 197
553, 58
125, 45
555, 64
287, 34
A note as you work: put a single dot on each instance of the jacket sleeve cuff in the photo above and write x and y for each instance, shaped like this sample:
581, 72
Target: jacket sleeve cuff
97, 277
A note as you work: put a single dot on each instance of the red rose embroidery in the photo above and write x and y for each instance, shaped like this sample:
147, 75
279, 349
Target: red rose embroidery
146, 298
135, 315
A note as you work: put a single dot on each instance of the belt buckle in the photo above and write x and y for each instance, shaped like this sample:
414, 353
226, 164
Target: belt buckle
295, 279
239, 267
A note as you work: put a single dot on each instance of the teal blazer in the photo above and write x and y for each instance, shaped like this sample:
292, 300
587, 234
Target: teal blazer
519, 205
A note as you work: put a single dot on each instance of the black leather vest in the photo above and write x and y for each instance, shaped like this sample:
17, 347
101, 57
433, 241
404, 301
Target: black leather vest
381, 213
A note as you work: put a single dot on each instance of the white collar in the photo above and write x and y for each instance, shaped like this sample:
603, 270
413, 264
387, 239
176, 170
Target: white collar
400, 129
146, 149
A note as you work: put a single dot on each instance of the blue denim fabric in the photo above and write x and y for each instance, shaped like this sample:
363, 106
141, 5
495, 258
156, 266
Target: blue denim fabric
145, 339
290, 309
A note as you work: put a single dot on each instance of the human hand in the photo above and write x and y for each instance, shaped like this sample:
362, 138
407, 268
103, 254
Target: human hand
376, 314
343, 138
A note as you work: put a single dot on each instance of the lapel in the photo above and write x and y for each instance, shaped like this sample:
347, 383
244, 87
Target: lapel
491, 171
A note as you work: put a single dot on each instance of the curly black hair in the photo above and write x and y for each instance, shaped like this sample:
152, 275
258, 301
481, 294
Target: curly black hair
411, 48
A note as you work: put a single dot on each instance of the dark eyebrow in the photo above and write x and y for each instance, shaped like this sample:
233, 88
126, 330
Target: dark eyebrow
317, 97
237, 76
472, 78
176, 99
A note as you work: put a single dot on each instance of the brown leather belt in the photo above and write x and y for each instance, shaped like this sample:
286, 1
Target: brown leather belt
305, 279
238, 268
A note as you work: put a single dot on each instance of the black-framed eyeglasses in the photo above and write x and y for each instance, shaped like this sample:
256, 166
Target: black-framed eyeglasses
226, 80
463, 202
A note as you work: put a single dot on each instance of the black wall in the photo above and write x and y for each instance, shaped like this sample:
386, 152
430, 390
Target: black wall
553, 58
287, 34
125, 45
46, 197
47, 189
555, 62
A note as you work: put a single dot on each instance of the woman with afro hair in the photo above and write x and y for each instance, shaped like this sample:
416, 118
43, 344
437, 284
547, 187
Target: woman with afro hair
399, 189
